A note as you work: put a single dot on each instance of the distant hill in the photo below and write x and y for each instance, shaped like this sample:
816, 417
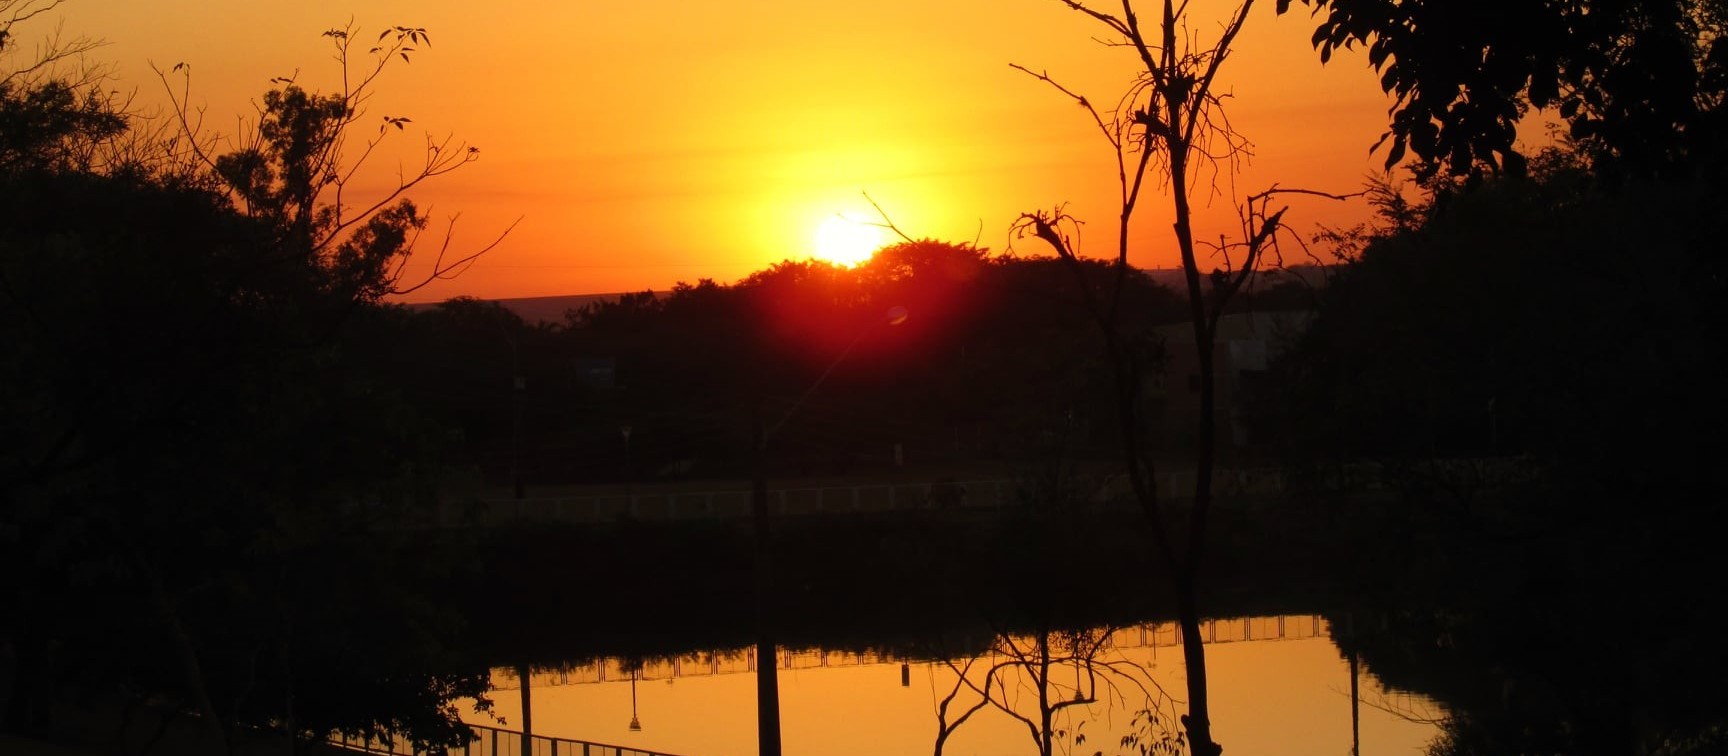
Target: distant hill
545, 309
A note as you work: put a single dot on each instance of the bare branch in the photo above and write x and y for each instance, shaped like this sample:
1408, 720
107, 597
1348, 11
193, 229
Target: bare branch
944, 728
24, 10
444, 272
1107, 19
1081, 101
887, 223
441, 157
1261, 226
191, 121
50, 53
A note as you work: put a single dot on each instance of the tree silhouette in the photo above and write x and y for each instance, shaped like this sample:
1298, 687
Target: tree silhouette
1170, 123
292, 172
1063, 674
203, 493
50, 118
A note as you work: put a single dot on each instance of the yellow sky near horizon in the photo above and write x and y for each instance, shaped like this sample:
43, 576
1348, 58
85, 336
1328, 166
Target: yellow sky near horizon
648, 143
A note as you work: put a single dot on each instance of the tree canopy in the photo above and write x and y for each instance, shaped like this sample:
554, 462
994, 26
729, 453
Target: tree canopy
1640, 83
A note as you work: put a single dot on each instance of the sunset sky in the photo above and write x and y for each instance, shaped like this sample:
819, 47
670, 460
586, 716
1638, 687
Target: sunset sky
648, 143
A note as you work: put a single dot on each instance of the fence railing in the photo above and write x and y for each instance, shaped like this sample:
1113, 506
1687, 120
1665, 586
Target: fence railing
961, 494
493, 741
734, 503
971, 493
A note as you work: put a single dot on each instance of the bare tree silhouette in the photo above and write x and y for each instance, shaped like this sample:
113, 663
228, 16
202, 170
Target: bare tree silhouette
1170, 124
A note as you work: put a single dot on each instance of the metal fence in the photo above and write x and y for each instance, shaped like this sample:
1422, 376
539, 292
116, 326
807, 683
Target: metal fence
723, 504
965, 493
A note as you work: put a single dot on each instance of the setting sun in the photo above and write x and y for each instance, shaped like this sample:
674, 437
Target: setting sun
844, 241
804, 107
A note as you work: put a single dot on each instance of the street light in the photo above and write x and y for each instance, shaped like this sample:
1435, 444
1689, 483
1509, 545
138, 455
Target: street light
767, 660
635, 724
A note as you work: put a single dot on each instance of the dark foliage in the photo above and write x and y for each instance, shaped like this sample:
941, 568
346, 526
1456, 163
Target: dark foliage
1531, 367
1563, 335
1640, 82
1549, 317
204, 492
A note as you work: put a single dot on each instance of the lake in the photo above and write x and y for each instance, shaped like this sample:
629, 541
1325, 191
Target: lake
1279, 685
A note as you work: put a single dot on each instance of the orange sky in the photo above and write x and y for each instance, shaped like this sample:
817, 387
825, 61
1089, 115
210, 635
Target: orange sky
647, 143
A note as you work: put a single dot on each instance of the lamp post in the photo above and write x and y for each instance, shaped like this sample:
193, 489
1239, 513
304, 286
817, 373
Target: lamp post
526, 675
635, 724
767, 657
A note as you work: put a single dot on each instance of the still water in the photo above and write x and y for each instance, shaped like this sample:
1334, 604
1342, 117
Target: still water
1279, 685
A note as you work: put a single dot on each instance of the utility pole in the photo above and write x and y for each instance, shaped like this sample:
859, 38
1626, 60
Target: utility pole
767, 657
523, 673
1355, 686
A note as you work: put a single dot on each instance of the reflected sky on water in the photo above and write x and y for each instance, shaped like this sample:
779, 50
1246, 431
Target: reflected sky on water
1279, 685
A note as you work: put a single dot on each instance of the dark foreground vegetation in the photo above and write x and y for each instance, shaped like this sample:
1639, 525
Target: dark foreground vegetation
221, 445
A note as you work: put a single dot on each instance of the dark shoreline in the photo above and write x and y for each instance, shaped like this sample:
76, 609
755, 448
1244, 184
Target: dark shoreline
901, 581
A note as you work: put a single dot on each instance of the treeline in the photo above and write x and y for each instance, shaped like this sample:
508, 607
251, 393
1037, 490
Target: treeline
951, 354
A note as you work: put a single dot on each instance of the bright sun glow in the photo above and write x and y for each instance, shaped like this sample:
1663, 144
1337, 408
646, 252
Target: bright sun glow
844, 241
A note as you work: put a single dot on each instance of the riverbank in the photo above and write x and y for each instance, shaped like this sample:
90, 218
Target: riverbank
550, 592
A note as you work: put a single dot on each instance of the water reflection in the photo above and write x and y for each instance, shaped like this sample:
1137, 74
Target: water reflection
1282, 687
1056, 682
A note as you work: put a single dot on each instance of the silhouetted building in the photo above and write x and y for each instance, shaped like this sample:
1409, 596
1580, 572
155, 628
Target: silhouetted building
1246, 344
597, 372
